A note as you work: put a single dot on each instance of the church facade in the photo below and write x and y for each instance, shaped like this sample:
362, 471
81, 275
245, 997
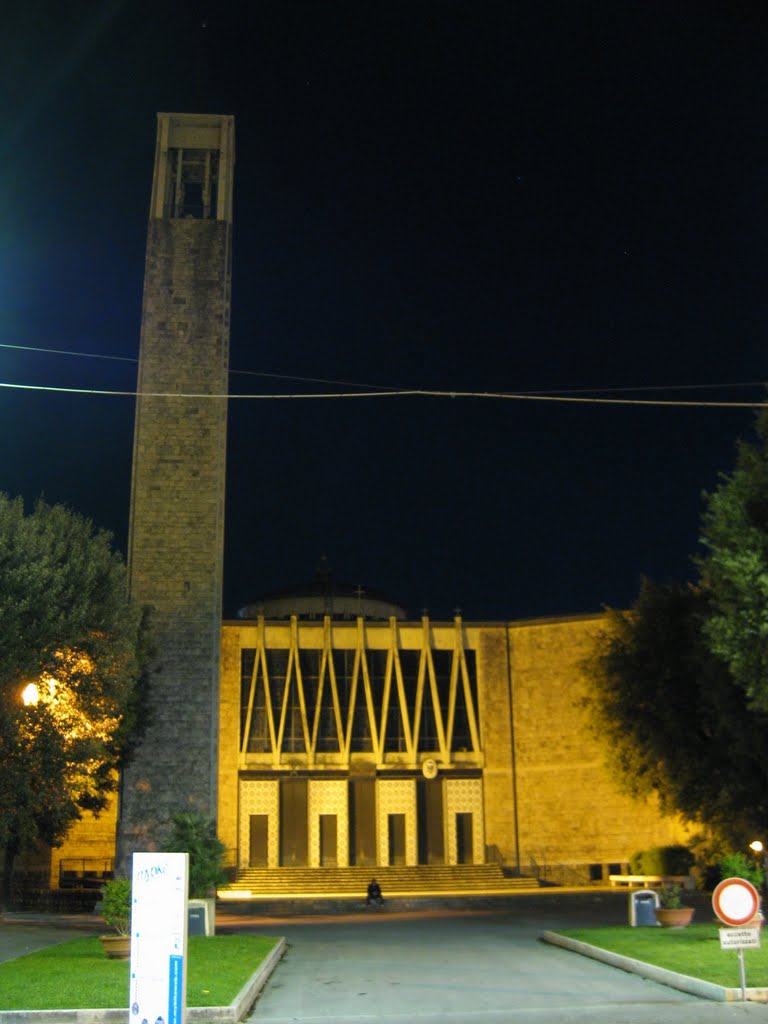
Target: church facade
386, 741
323, 728
369, 739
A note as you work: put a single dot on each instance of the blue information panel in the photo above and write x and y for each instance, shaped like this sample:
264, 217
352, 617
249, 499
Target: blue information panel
176, 990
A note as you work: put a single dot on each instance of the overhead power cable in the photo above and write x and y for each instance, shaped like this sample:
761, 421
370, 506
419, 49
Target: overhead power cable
586, 395
68, 352
246, 373
404, 393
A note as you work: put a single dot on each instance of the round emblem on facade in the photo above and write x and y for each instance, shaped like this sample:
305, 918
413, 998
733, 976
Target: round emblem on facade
429, 768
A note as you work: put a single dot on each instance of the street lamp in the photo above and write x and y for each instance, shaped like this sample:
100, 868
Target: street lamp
761, 862
30, 694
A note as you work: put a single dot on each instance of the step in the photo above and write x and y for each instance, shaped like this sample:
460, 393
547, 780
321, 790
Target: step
351, 881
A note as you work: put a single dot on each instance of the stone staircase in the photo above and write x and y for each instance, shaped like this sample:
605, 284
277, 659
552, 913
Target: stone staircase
396, 882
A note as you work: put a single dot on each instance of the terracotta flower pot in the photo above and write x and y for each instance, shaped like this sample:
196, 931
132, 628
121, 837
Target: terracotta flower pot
117, 947
681, 917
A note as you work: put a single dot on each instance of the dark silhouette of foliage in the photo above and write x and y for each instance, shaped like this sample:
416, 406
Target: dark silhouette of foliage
676, 723
196, 835
735, 568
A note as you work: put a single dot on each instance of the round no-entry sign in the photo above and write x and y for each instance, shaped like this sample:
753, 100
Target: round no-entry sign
735, 901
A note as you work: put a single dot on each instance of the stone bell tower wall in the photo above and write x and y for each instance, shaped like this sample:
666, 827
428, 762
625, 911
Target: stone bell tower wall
177, 501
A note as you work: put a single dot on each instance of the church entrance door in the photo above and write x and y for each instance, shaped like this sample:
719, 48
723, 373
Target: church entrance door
464, 851
362, 821
429, 806
328, 842
258, 851
293, 822
397, 839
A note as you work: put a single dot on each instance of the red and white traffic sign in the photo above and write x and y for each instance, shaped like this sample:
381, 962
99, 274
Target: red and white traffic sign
735, 901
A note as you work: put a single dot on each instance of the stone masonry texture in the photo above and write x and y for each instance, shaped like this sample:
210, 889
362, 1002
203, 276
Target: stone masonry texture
177, 521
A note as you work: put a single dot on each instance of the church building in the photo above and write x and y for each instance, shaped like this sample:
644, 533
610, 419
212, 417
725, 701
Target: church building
323, 728
349, 735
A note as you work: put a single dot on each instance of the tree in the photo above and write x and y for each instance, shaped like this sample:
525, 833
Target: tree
735, 568
196, 835
72, 650
676, 722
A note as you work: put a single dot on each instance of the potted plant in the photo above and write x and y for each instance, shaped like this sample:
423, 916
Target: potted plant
196, 835
672, 912
116, 912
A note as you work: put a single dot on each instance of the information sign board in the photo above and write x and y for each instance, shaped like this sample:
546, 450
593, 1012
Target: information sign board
739, 938
158, 989
735, 901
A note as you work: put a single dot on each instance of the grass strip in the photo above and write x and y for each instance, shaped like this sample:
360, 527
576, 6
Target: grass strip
694, 951
77, 974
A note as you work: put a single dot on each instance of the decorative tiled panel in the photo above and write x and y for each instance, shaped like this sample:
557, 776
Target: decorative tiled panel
464, 796
329, 796
260, 796
396, 796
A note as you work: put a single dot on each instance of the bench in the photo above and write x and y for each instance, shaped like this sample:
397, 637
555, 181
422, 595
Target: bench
652, 881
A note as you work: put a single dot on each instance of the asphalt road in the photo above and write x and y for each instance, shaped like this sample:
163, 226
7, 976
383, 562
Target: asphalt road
468, 969
465, 968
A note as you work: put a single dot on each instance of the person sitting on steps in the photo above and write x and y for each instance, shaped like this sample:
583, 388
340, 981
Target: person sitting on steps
374, 894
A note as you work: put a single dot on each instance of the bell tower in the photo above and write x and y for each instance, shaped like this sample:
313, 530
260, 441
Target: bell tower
176, 531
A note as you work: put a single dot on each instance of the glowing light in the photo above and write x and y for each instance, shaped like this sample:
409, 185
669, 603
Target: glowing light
30, 694
63, 701
756, 846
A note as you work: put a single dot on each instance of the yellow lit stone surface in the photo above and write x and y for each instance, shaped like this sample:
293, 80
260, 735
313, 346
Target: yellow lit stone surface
532, 741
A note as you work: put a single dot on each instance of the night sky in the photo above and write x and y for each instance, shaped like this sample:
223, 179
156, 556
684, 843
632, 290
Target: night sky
559, 198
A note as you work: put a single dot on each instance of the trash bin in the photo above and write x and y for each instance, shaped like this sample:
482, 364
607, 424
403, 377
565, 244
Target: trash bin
642, 908
196, 921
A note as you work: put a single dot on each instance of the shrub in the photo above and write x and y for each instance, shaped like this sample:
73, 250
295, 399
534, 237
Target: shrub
116, 905
662, 860
671, 896
739, 865
196, 835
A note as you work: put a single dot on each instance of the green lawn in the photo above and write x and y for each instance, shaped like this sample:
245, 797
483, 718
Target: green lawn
77, 974
694, 951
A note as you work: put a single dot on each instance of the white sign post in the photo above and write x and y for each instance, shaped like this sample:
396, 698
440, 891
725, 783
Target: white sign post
158, 993
736, 902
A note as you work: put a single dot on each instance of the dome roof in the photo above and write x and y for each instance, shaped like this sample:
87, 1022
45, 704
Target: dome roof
321, 596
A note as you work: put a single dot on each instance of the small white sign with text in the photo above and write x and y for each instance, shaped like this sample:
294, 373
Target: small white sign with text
739, 938
158, 990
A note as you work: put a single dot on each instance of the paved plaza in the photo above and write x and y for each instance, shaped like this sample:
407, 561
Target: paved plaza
465, 969
440, 966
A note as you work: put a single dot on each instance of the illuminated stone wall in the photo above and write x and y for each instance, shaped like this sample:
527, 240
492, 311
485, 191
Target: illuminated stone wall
535, 781
89, 846
570, 810
228, 745
533, 743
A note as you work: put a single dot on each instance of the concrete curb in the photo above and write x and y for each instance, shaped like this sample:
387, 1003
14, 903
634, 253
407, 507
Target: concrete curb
231, 1014
682, 982
245, 999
